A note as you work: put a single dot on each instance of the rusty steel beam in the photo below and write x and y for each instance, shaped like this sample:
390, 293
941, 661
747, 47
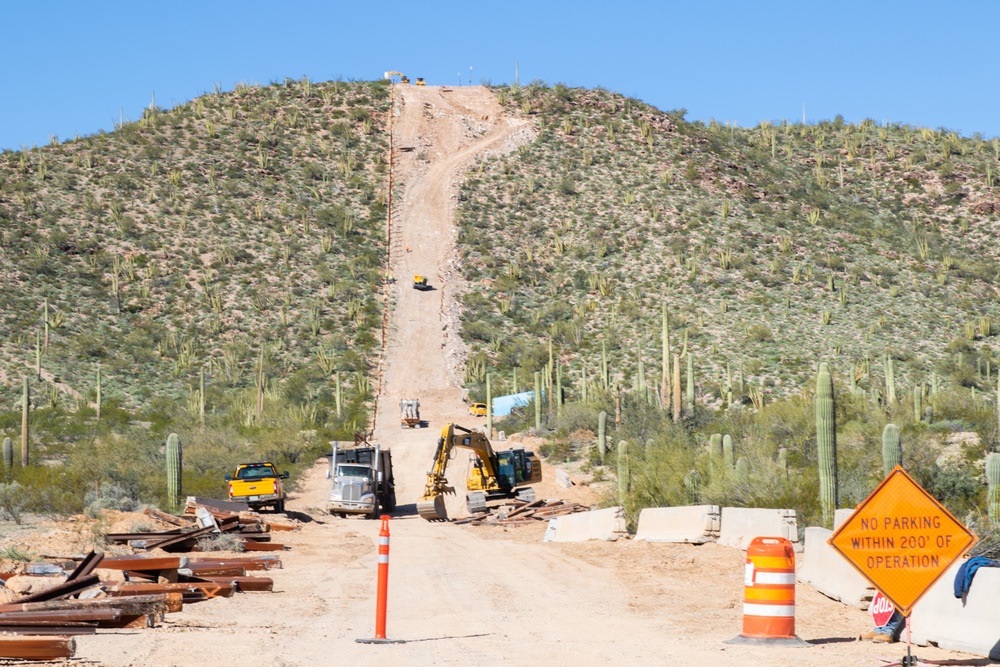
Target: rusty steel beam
144, 564
65, 590
251, 545
87, 565
37, 648
138, 604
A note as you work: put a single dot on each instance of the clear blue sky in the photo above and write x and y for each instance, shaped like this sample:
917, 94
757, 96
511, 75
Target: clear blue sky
68, 67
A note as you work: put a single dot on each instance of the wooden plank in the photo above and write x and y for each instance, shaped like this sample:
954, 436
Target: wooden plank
179, 539
48, 648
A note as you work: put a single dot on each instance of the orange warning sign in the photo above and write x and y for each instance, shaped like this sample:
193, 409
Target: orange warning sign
901, 539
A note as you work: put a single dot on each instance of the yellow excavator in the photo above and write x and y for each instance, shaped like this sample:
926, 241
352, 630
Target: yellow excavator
402, 77
493, 476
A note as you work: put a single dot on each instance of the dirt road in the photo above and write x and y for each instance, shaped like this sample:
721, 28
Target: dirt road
463, 595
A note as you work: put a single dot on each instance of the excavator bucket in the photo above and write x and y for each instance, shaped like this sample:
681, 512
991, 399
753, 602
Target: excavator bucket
432, 508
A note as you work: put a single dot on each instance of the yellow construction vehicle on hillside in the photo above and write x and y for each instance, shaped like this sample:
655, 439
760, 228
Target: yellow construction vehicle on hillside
402, 77
420, 81
493, 476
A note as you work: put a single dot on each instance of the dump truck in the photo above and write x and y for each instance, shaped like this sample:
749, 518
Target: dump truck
494, 476
362, 481
409, 417
258, 484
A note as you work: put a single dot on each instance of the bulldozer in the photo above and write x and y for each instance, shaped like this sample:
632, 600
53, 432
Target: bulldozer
420, 283
494, 477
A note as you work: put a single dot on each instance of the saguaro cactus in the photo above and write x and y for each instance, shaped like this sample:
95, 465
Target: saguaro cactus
918, 394
676, 392
892, 448
692, 484
993, 482
890, 382
727, 451
783, 459
8, 453
623, 481
826, 443
25, 406
489, 407
715, 449
174, 455
665, 363
689, 397
98, 409
538, 401
602, 434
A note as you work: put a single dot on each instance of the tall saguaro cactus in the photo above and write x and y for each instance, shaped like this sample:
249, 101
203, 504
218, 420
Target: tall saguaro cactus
692, 484
665, 364
602, 434
993, 484
8, 454
826, 443
489, 407
98, 410
538, 401
623, 472
676, 393
728, 453
892, 448
689, 397
174, 458
25, 406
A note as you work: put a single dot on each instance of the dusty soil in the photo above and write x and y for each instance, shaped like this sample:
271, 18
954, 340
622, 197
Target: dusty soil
462, 595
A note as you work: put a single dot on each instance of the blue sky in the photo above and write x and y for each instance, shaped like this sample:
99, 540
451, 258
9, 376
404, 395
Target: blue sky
69, 67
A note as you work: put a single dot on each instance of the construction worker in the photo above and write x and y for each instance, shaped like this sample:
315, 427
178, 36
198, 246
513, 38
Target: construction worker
888, 633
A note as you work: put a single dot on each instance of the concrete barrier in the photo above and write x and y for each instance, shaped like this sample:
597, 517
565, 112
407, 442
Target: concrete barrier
826, 570
974, 627
742, 524
607, 524
695, 524
562, 479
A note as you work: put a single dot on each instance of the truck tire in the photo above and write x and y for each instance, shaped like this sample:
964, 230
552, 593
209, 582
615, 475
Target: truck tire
391, 507
280, 506
374, 514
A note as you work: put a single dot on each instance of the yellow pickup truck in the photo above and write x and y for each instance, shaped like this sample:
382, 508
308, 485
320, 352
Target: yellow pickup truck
258, 485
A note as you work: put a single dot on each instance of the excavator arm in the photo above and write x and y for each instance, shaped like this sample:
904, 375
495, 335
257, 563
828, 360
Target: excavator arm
431, 504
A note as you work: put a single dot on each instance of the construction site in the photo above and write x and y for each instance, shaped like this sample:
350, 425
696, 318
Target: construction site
464, 586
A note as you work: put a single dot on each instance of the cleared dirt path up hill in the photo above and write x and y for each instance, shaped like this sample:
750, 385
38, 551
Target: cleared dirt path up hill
464, 595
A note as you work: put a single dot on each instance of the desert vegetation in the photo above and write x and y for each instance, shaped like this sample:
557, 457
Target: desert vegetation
213, 269
765, 251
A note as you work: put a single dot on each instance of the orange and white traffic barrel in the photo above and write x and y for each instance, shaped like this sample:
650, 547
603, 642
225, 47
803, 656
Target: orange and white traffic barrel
769, 592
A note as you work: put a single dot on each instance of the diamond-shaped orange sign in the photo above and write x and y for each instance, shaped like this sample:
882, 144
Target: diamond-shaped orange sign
901, 539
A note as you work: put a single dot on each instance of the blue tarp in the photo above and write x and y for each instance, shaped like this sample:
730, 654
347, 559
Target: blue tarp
503, 405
